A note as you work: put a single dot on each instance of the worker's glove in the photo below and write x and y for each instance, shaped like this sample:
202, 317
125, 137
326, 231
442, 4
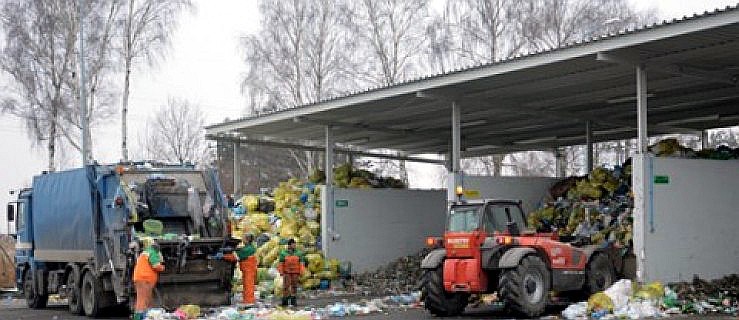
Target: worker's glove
219, 256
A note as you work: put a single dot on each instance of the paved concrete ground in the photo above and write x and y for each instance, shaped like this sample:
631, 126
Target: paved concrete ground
15, 309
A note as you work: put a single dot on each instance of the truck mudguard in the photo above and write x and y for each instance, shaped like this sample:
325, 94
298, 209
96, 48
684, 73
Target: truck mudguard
511, 257
433, 259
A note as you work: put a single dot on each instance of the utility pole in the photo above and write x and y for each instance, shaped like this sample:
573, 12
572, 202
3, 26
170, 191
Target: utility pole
83, 94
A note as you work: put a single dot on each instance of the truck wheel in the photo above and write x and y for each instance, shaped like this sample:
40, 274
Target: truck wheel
73, 295
525, 288
33, 299
436, 300
91, 294
600, 274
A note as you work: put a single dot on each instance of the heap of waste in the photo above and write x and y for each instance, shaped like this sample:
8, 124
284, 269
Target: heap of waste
625, 299
345, 176
672, 148
400, 276
292, 210
597, 208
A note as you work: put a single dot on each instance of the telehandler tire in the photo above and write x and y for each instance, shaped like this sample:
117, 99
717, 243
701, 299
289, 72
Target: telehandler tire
525, 288
600, 274
436, 300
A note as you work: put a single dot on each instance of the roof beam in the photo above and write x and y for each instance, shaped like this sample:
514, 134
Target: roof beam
360, 126
292, 145
632, 58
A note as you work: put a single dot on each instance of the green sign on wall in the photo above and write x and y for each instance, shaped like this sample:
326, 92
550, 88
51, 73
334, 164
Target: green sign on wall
661, 179
342, 203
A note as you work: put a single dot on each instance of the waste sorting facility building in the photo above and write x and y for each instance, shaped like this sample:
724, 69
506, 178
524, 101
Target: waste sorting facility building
677, 76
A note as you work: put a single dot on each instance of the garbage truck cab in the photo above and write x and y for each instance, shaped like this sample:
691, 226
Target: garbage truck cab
79, 232
488, 248
18, 212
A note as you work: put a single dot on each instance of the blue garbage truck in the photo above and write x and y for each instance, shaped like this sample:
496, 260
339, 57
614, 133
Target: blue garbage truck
79, 232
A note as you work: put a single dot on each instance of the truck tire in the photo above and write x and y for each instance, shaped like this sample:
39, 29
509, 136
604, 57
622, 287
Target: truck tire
436, 300
73, 295
525, 288
90, 294
600, 274
33, 299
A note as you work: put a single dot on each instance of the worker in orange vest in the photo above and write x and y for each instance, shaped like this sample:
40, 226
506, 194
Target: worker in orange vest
248, 266
291, 266
145, 275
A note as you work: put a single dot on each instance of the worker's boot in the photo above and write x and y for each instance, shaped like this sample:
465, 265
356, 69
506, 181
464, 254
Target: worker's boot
138, 316
294, 301
284, 301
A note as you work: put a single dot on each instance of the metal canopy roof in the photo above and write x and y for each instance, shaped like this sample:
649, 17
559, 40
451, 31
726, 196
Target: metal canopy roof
533, 102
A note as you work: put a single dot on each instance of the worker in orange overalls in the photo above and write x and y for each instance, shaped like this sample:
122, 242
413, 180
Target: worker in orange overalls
145, 275
248, 266
291, 266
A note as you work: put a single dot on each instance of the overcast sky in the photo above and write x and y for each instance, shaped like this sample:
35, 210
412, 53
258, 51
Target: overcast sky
204, 66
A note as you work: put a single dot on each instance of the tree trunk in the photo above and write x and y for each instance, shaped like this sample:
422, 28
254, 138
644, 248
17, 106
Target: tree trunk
498, 165
403, 172
52, 139
124, 113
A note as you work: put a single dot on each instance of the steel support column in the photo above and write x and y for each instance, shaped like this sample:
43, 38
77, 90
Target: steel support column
704, 140
327, 217
641, 109
560, 163
455, 174
641, 177
589, 146
237, 170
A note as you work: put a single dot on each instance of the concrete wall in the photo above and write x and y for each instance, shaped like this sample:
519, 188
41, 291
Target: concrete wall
380, 225
691, 224
530, 190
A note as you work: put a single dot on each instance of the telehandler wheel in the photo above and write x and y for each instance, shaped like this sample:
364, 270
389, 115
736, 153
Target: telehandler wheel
91, 294
73, 295
525, 288
33, 299
439, 302
600, 274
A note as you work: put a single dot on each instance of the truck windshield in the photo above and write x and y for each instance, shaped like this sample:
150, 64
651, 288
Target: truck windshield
463, 219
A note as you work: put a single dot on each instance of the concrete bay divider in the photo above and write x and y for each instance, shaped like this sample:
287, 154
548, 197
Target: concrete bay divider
690, 226
372, 227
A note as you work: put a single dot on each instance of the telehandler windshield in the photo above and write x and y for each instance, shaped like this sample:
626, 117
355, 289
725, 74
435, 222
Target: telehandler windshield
464, 218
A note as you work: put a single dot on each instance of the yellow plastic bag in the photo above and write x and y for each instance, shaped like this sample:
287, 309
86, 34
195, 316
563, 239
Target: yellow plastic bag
288, 315
333, 265
192, 311
250, 202
651, 291
315, 262
600, 301
278, 286
260, 221
289, 228
314, 227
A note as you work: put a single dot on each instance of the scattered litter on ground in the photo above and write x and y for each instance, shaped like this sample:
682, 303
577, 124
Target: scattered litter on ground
626, 300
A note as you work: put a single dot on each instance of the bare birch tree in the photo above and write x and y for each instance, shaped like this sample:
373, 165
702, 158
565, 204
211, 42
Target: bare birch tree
300, 55
391, 33
555, 23
391, 36
147, 27
176, 134
40, 56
